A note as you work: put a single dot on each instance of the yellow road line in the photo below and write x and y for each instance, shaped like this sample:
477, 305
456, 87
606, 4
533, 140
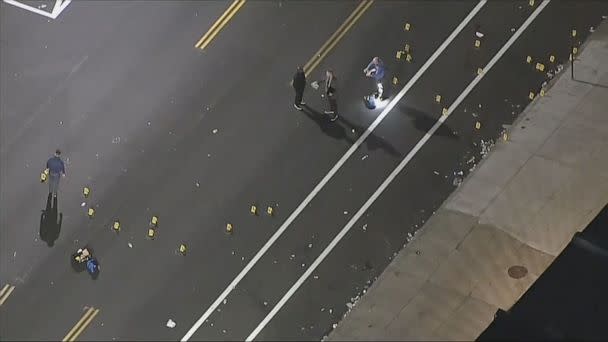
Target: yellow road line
337, 36
6, 291
219, 24
82, 324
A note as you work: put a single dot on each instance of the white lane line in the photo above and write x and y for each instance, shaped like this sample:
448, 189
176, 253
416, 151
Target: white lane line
59, 6
392, 176
29, 8
333, 171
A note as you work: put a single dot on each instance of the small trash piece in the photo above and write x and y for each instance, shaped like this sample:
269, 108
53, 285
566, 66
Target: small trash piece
83, 204
437, 98
345, 212
310, 245
364, 157
171, 324
435, 172
315, 85
130, 245
479, 34
365, 227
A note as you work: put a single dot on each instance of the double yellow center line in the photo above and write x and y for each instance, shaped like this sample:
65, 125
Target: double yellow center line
337, 36
219, 24
82, 324
6, 291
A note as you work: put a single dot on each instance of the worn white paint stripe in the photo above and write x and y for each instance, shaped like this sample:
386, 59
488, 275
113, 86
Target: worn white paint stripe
29, 8
392, 176
332, 172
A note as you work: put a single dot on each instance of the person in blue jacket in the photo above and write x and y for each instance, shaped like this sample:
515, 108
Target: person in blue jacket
56, 169
376, 70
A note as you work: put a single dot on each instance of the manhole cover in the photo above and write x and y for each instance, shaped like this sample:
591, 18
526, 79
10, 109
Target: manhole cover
517, 272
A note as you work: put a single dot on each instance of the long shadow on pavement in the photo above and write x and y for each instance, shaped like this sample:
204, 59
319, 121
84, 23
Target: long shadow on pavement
50, 222
424, 122
341, 128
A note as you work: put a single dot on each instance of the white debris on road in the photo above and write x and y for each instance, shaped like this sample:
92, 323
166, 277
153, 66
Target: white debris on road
214, 131
365, 227
171, 324
364, 157
130, 245
435, 172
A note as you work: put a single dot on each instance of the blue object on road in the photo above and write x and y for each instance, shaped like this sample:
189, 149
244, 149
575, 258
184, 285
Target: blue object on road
92, 266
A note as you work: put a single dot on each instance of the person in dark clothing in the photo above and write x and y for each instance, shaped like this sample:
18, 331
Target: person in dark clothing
299, 83
330, 94
56, 169
376, 70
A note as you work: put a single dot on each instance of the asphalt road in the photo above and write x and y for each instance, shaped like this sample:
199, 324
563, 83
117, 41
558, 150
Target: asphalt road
120, 88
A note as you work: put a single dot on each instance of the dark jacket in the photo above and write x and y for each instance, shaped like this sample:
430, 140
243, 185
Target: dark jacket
299, 81
55, 165
331, 86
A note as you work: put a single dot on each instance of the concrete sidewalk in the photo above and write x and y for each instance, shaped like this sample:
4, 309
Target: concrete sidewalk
499, 231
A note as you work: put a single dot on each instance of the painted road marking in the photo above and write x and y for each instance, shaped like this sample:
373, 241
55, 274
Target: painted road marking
6, 291
83, 323
337, 36
59, 6
333, 171
219, 24
393, 174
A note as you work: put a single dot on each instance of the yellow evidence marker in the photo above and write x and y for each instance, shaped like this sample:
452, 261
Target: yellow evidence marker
531, 96
444, 111
154, 221
529, 59
395, 80
182, 248
44, 175
408, 58
437, 98
253, 210
478, 125
477, 43
151, 232
116, 225
407, 27
552, 59
269, 211
91, 212
86, 191
229, 228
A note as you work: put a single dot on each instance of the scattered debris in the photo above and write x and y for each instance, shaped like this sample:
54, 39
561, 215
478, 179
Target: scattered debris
471, 160
474, 115
265, 303
310, 245
457, 181
345, 212
303, 265
130, 245
512, 29
42, 6
225, 300
364, 157
197, 184
214, 131
435, 172
291, 257
322, 309
479, 34
83, 204
365, 227
331, 311
171, 324
149, 123
316, 277
591, 29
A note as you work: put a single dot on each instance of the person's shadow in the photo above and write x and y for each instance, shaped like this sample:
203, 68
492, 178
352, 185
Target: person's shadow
341, 130
50, 222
